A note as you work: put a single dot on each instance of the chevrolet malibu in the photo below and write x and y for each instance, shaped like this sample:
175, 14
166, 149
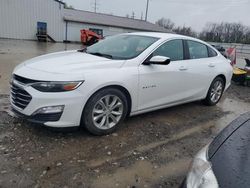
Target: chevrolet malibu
120, 76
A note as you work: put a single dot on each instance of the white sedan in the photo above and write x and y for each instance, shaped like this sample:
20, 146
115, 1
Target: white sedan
120, 76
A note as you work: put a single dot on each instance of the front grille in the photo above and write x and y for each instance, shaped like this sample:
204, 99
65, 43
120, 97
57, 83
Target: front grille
20, 97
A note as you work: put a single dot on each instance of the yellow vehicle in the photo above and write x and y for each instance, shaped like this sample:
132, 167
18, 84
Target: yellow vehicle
242, 76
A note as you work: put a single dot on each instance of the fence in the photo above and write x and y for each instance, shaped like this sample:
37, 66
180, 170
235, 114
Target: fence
242, 49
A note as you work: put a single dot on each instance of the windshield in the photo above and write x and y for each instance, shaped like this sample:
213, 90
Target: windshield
121, 46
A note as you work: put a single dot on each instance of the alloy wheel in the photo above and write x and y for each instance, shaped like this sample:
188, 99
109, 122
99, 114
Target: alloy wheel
107, 112
216, 91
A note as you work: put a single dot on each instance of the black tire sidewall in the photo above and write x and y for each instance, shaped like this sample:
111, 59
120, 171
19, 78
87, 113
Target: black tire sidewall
208, 100
87, 112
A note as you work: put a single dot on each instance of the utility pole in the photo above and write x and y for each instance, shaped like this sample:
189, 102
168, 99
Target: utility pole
95, 6
133, 15
146, 17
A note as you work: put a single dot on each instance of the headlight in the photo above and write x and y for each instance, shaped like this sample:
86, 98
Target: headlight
201, 174
56, 86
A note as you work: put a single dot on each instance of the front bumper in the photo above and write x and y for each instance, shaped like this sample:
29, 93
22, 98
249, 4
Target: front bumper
73, 102
39, 118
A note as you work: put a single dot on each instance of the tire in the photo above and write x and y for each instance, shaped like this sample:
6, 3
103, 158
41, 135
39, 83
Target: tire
215, 92
105, 111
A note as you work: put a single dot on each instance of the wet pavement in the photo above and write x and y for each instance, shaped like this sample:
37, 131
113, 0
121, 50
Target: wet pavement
149, 150
13, 52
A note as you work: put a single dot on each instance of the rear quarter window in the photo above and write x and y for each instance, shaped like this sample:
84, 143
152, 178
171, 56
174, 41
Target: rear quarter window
211, 52
197, 50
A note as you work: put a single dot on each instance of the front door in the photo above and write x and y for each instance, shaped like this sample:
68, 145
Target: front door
165, 84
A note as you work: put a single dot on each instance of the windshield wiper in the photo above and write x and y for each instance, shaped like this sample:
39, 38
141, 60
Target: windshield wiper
82, 50
101, 55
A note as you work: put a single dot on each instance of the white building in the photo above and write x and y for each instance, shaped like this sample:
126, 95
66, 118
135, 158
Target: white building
19, 19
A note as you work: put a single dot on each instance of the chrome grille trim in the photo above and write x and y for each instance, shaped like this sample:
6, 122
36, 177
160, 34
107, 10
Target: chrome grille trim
19, 97
14, 93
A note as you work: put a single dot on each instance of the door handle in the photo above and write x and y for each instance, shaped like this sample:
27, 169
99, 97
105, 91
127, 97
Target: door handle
183, 68
211, 65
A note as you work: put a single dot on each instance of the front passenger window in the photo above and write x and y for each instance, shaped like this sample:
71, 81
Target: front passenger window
172, 49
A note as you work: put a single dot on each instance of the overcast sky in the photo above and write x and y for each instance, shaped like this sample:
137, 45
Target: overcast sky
194, 13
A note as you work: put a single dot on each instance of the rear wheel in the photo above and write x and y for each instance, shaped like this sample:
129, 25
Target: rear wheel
215, 92
104, 111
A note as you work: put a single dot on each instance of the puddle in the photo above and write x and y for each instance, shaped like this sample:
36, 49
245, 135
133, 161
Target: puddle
141, 173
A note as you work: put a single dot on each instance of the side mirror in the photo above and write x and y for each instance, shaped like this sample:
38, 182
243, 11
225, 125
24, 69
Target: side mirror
158, 60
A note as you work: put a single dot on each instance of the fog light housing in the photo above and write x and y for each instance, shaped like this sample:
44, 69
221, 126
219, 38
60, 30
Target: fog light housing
49, 110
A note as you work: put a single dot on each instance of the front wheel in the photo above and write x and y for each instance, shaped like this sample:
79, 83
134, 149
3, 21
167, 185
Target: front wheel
215, 92
104, 111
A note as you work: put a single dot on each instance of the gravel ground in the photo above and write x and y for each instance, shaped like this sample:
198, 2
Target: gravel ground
150, 150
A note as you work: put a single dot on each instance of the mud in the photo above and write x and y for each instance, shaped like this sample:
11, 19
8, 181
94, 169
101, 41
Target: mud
150, 150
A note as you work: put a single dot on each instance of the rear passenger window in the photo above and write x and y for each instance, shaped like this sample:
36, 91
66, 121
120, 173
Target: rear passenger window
197, 50
172, 49
211, 52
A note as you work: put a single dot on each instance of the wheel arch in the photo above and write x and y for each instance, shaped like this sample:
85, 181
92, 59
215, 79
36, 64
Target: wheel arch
115, 86
223, 77
220, 76
206, 100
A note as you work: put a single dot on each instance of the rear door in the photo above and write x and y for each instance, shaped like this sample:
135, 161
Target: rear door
202, 66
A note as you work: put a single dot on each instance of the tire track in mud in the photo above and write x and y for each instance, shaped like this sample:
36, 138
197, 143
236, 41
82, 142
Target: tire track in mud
154, 145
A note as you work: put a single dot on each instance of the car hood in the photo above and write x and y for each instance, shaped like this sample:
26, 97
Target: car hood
70, 61
64, 65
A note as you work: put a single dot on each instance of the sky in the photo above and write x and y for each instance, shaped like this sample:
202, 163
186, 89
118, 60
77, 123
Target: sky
194, 13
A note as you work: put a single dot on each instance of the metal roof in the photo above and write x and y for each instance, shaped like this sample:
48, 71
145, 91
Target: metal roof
110, 20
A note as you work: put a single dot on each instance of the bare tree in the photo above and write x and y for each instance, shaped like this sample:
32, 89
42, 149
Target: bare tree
226, 32
166, 23
213, 32
185, 31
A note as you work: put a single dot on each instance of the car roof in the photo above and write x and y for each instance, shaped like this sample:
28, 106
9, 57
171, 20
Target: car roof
164, 35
